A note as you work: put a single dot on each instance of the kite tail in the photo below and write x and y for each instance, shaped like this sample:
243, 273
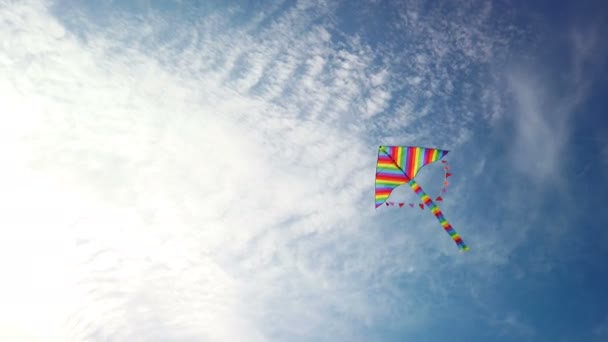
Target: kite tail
438, 214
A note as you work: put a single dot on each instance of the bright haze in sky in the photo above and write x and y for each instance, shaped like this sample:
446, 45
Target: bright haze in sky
204, 171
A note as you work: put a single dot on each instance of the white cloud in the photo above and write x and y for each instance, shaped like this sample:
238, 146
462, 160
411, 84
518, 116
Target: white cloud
547, 106
214, 186
541, 130
154, 203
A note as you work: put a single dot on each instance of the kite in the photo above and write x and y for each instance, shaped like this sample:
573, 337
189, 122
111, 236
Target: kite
439, 197
399, 165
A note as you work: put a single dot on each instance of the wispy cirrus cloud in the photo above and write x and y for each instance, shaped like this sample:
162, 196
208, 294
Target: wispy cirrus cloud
548, 105
212, 180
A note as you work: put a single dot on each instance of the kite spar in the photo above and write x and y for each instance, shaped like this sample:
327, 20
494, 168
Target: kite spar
399, 165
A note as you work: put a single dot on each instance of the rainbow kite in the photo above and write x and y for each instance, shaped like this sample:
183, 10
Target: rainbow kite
399, 165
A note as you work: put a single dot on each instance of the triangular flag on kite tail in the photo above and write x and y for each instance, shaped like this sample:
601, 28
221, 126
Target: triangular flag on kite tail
399, 165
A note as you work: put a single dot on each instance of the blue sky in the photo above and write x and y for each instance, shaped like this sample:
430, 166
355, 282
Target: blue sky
205, 172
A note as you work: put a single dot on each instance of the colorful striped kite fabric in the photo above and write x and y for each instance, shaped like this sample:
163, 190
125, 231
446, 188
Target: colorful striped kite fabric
399, 165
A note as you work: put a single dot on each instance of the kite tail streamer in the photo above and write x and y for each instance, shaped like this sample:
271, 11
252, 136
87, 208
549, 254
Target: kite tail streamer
438, 214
